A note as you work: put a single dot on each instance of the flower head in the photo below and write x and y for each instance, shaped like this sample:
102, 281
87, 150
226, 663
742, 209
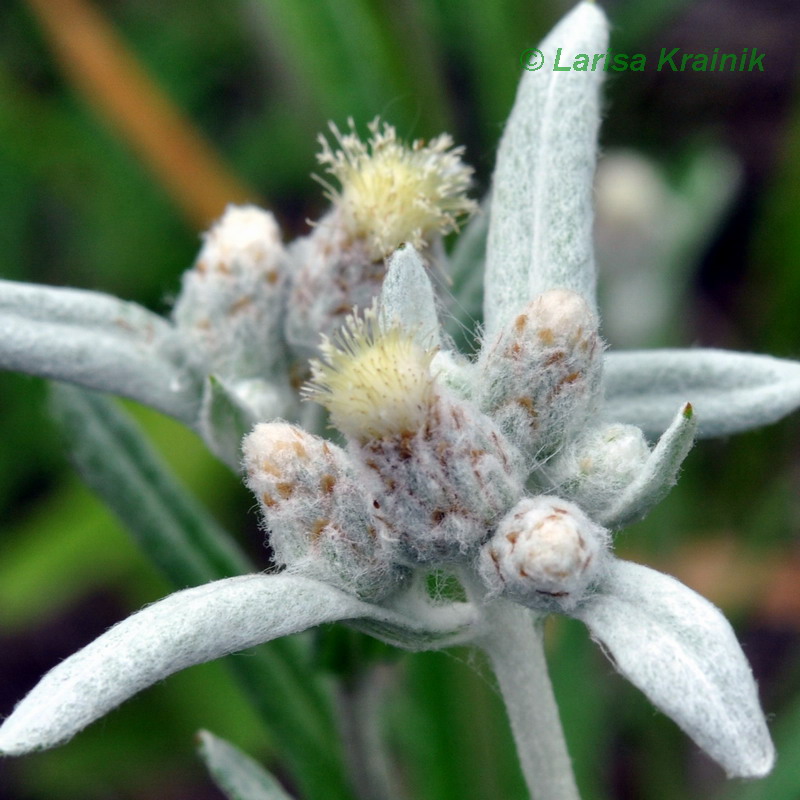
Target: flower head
392, 192
374, 383
439, 470
389, 194
319, 519
230, 305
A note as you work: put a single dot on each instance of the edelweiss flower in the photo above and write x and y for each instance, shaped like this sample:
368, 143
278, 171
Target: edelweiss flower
509, 471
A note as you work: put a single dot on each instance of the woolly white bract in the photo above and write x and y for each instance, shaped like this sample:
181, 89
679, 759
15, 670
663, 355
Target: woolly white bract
510, 471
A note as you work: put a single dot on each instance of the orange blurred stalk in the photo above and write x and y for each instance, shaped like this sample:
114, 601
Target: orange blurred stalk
100, 65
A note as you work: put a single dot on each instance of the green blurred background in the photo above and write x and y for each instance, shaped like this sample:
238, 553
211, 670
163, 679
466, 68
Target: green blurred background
106, 180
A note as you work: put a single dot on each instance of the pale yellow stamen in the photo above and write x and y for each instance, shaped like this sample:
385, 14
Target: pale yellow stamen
392, 193
375, 384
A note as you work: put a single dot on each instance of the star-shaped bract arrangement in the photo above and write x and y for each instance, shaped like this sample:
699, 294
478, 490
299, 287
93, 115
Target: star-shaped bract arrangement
510, 470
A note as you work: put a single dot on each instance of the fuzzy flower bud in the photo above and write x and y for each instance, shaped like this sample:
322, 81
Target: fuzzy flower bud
594, 469
540, 376
393, 193
320, 520
546, 554
441, 473
390, 193
230, 304
373, 383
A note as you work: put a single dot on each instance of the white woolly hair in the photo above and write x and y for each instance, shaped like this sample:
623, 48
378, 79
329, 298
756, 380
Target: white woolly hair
392, 192
246, 237
375, 383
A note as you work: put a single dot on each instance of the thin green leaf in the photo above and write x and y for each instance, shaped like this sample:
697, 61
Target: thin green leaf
346, 36
115, 460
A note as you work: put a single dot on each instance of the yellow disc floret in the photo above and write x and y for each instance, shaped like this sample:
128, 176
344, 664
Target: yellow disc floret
376, 384
393, 193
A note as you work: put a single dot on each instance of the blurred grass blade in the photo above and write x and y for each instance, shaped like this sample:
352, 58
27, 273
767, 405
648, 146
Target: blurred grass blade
237, 775
115, 460
108, 74
328, 76
583, 705
466, 270
354, 30
452, 732
188, 546
346, 36
286, 692
489, 38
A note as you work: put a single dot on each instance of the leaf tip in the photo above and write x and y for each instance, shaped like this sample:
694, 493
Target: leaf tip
202, 738
12, 744
591, 8
756, 764
688, 411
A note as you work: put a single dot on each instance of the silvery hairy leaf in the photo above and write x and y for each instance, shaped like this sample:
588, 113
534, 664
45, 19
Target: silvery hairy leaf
186, 628
540, 229
414, 623
96, 341
682, 653
658, 475
407, 298
730, 392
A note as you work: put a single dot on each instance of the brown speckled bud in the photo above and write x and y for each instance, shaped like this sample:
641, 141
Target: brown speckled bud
230, 304
540, 377
319, 519
442, 486
332, 273
546, 554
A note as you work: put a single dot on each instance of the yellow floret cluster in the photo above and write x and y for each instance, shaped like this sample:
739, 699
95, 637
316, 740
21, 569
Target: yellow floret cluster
393, 193
376, 384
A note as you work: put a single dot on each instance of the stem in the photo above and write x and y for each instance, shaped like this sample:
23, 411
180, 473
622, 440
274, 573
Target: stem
515, 646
